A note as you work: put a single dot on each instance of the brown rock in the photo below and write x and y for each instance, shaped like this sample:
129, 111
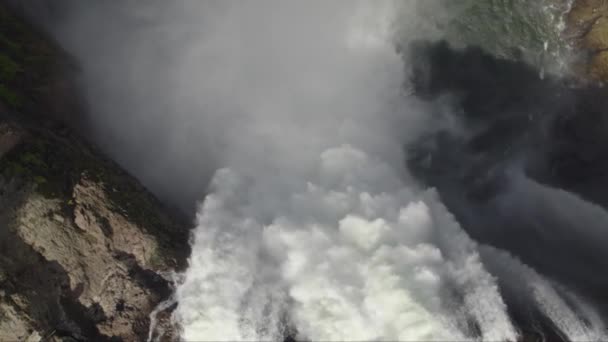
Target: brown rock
586, 11
84, 248
598, 66
587, 28
597, 37
75, 264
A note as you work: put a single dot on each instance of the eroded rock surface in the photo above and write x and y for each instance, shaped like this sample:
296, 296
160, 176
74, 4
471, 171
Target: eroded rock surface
588, 29
86, 253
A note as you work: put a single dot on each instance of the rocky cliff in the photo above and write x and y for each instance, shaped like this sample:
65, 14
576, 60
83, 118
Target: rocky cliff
519, 139
587, 28
86, 253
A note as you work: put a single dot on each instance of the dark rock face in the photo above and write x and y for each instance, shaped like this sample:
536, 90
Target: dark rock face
555, 127
524, 163
85, 250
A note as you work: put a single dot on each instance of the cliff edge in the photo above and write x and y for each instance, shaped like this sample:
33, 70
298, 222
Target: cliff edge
86, 252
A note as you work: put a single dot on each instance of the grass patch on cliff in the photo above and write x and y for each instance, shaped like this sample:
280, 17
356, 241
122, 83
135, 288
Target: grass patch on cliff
36, 163
54, 164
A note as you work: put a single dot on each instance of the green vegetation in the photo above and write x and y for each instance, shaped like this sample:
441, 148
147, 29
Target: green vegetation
156, 259
9, 97
8, 71
50, 160
34, 162
8, 68
53, 165
10, 46
28, 61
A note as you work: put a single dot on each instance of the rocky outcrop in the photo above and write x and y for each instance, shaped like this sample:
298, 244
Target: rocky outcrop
76, 261
587, 28
86, 253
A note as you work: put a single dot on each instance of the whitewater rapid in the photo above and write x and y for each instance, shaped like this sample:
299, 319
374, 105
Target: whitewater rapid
314, 228
355, 255
331, 242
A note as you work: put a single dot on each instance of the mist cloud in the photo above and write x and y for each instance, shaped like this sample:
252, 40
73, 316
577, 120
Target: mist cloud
318, 220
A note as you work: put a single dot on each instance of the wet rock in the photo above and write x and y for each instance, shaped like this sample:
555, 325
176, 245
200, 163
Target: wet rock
598, 66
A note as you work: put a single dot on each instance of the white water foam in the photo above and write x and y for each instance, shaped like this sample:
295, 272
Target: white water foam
354, 255
312, 226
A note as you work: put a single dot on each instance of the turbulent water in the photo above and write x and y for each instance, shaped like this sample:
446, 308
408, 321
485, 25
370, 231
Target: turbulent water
316, 226
346, 246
